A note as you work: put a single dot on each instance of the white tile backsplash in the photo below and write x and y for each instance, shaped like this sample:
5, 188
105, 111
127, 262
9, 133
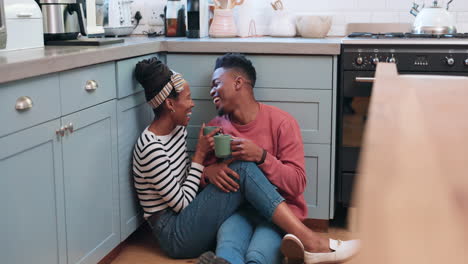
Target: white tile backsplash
365, 11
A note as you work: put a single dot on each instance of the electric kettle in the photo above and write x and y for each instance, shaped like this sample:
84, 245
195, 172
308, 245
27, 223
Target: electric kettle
433, 20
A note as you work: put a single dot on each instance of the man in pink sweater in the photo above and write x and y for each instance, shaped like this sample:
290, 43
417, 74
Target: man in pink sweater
266, 135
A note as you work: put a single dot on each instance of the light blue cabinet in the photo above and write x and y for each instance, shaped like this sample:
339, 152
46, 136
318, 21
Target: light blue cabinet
32, 222
304, 86
91, 183
58, 172
134, 114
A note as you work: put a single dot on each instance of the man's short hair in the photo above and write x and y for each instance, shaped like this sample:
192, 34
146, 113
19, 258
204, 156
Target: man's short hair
238, 62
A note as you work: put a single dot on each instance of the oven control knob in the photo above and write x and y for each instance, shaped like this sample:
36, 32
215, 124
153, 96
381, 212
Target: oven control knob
392, 60
466, 62
359, 60
450, 61
375, 61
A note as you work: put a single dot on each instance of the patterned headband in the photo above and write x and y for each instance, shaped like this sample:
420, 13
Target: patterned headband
176, 83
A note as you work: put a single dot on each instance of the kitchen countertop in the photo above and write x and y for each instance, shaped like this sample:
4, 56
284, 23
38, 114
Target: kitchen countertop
20, 64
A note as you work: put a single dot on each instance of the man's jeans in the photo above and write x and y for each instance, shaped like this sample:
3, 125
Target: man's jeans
193, 231
247, 237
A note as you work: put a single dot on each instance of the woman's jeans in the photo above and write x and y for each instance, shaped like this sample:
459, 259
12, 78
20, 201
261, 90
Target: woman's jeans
193, 231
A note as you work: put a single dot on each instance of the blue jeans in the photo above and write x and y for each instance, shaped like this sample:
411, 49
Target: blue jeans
193, 231
247, 237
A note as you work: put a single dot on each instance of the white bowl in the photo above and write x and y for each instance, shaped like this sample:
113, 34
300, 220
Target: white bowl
313, 25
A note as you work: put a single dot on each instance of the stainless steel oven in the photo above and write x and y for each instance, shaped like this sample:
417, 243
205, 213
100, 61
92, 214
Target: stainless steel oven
357, 68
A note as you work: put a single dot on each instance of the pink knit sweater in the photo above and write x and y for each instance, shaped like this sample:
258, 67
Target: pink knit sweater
278, 133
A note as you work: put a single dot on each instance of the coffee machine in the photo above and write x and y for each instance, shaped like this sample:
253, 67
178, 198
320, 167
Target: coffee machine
3, 32
63, 19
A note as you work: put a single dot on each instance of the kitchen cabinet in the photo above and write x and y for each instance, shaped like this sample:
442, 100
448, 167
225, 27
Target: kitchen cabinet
304, 86
59, 184
134, 114
91, 183
32, 225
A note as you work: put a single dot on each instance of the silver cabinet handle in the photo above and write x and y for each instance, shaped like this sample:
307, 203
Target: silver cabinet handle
91, 85
69, 127
24, 15
23, 103
364, 79
60, 132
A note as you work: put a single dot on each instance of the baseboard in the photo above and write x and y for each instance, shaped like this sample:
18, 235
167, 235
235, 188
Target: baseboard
113, 254
317, 225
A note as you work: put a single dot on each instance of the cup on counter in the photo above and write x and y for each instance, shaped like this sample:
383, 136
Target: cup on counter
222, 145
208, 129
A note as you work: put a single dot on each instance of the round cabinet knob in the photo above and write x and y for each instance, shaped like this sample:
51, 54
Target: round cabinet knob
466, 62
392, 60
450, 61
375, 61
23, 103
91, 85
359, 60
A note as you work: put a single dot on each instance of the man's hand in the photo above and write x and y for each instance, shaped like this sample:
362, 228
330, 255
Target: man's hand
218, 174
244, 149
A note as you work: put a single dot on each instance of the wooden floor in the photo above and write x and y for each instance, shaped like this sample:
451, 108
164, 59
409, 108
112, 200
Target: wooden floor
142, 249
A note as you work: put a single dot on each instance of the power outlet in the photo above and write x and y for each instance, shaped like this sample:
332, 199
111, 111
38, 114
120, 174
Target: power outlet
155, 12
139, 5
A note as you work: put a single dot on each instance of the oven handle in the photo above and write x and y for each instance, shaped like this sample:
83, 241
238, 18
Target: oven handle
364, 79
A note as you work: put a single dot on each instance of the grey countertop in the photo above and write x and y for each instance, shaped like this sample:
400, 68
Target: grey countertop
20, 64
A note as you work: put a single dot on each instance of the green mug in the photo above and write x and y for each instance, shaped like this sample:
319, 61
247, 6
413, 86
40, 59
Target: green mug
208, 129
222, 145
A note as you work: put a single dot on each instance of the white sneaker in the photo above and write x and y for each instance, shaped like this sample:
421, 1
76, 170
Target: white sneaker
342, 250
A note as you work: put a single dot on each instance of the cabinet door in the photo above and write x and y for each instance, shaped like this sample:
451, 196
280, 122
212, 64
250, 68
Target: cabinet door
133, 115
91, 182
317, 193
31, 196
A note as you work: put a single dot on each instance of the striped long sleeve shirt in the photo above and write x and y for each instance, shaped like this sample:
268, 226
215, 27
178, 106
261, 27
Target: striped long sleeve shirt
163, 174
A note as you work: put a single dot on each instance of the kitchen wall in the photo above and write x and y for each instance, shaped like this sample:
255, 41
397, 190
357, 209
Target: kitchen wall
343, 11
376, 11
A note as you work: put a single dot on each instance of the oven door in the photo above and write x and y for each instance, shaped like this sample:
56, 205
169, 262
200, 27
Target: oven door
357, 89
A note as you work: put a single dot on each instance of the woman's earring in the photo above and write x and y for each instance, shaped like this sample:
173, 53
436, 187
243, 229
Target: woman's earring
172, 110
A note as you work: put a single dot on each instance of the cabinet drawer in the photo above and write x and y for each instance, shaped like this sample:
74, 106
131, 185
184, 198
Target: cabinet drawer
288, 72
126, 82
311, 108
44, 94
85, 87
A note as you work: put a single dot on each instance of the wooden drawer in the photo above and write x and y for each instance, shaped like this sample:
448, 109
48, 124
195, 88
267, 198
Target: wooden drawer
126, 82
44, 94
74, 85
288, 72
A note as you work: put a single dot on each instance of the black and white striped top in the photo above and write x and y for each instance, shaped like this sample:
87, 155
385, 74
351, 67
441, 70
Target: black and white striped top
162, 171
